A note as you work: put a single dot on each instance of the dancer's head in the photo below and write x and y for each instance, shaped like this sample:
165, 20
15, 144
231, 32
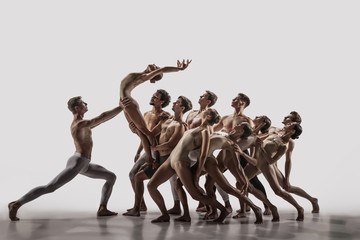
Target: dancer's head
160, 97
77, 105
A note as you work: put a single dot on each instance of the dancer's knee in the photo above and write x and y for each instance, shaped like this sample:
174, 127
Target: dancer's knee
50, 188
111, 178
279, 192
151, 186
132, 175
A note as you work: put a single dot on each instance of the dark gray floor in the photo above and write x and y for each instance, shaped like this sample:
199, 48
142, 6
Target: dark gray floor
85, 226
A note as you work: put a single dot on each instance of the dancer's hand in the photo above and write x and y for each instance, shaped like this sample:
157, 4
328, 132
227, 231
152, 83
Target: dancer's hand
286, 185
132, 127
144, 165
136, 157
125, 102
164, 116
183, 65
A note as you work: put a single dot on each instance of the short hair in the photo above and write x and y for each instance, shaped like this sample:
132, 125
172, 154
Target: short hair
73, 102
164, 97
215, 116
298, 131
247, 129
267, 125
212, 97
244, 98
158, 77
186, 103
295, 117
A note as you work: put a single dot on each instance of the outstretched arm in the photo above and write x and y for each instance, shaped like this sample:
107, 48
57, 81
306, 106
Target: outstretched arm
180, 67
203, 155
288, 162
105, 116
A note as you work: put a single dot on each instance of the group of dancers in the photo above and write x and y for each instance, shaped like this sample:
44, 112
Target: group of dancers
182, 151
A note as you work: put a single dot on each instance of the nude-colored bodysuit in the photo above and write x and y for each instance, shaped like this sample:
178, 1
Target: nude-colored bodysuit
186, 144
272, 143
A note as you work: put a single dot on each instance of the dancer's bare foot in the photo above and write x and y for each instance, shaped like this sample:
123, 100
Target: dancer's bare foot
267, 211
104, 212
201, 209
228, 206
275, 214
183, 219
162, 218
316, 208
13, 208
222, 216
175, 210
211, 215
132, 212
240, 215
258, 216
300, 214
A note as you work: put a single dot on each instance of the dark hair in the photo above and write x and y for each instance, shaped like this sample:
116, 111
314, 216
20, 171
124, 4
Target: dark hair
186, 103
247, 129
215, 116
298, 131
158, 77
267, 125
164, 97
73, 102
244, 98
212, 97
295, 117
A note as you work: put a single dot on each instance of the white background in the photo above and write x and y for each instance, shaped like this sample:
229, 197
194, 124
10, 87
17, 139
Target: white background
285, 55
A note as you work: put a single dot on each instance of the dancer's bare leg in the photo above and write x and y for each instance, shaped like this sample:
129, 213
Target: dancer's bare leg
297, 190
143, 206
210, 191
161, 175
250, 172
99, 172
184, 172
140, 177
213, 170
183, 199
176, 210
270, 175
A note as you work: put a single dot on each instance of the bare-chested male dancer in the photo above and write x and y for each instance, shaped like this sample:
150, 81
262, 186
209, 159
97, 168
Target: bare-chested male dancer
193, 120
269, 151
227, 123
159, 100
284, 180
170, 131
180, 163
79, 163
132, 111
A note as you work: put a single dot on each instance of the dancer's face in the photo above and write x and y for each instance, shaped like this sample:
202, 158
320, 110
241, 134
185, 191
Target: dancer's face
287, 119
81, 108
203, 100
177, 106
155, 99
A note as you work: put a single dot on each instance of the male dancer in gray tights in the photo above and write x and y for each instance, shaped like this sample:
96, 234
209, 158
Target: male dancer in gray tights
79, 163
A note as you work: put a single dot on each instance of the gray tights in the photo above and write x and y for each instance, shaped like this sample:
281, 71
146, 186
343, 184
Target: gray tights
76, 164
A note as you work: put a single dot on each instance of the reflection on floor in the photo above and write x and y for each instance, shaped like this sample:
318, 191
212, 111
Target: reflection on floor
85, 226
